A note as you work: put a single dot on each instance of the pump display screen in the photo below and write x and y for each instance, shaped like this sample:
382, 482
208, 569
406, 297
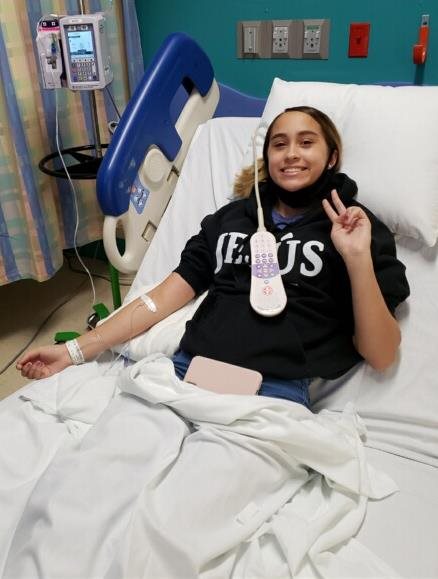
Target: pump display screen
83, 65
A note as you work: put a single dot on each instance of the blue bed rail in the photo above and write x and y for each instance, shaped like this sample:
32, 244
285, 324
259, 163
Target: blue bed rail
149, 118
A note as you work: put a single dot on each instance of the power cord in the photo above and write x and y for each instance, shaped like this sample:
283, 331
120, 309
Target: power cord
74, 197
93, 273
112, 101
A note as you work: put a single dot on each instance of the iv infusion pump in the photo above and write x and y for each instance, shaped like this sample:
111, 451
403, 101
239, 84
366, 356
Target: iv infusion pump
73, 52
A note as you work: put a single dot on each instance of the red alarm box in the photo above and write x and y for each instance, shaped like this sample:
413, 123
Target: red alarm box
359, 39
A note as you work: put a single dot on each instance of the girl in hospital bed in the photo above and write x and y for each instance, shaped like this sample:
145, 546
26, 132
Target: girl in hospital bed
337, 261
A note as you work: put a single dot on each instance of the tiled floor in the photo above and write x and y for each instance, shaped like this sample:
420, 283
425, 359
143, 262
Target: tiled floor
32, 312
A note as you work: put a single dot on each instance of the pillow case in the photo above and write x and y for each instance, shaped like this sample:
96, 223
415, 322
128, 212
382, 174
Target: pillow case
390, 137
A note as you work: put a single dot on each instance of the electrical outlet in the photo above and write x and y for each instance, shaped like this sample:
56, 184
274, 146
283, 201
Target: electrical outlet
286, 39
253, 39
280, 39
312, 39
316, 38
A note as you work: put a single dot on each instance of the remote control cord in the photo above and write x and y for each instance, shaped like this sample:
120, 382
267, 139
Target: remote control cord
260, 218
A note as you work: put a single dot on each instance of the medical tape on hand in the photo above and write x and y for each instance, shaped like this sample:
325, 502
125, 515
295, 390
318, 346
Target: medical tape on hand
76, 354
149, 303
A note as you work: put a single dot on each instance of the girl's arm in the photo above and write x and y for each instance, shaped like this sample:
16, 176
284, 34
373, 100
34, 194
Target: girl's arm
172, 294
377, 333
131, 320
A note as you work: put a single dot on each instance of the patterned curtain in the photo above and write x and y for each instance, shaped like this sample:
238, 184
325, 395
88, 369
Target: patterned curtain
37, 211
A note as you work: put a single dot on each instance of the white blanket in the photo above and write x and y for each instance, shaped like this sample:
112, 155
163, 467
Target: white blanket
173, 481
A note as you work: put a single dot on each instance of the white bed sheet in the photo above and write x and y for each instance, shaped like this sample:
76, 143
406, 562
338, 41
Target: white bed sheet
104, 452
401, 529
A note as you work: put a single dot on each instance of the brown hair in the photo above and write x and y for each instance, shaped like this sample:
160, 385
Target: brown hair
245, 179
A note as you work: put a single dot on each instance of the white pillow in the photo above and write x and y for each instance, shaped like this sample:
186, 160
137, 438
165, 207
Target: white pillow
390, 137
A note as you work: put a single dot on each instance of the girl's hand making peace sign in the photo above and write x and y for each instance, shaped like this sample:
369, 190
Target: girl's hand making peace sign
351, 228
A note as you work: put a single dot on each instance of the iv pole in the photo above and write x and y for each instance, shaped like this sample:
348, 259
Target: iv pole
87, 168
93, 107
114, 274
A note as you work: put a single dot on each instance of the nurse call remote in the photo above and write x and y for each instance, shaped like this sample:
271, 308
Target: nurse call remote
267, 296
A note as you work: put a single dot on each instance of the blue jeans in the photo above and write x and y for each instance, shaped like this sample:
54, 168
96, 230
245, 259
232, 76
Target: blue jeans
294, 390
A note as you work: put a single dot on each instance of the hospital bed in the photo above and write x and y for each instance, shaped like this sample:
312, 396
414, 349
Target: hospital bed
391, 144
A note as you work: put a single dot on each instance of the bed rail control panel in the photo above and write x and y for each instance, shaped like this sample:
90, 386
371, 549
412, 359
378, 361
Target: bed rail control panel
140, 169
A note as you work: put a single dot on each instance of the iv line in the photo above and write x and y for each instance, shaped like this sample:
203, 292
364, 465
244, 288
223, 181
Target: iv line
74, 197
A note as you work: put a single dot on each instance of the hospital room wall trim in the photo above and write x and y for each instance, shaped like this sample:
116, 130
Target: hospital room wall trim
394, 31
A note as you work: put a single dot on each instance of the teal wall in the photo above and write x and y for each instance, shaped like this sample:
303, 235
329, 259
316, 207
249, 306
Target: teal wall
394, 31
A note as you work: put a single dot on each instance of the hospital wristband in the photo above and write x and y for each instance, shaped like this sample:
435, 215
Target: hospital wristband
149, 303
76, 354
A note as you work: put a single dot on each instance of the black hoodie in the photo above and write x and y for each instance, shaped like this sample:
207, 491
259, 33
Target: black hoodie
312, 337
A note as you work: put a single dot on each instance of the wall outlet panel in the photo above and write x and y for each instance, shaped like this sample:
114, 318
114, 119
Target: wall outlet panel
286, 38
293, 39
253, 39
316, 39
